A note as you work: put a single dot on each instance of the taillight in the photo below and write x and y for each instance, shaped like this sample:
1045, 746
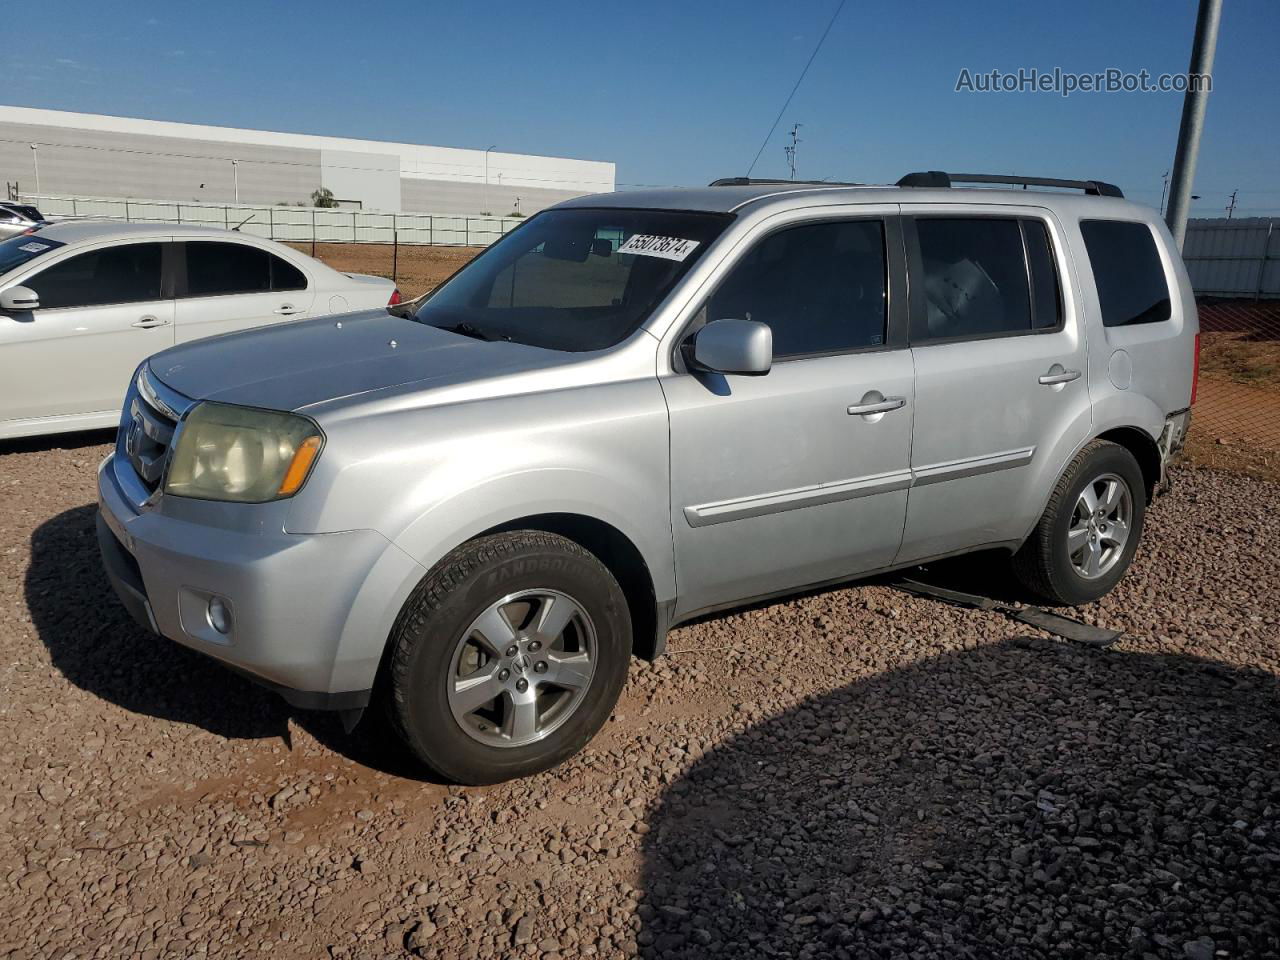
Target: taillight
1195, 370
395, 298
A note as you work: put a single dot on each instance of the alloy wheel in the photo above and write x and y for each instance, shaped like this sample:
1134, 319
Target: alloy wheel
522, 668
1100, 526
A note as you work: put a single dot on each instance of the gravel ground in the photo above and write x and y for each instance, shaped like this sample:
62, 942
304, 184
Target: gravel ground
854, 773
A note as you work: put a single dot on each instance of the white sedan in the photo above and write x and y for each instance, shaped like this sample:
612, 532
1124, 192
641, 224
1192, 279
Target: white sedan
82, 303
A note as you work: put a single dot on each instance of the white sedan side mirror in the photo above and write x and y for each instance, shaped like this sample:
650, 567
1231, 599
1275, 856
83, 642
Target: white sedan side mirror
19, 299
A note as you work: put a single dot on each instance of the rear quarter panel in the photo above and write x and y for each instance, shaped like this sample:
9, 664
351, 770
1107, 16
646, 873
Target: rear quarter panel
1141, 373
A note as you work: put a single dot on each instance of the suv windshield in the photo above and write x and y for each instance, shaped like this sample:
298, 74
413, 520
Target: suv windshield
579, 279
15, 251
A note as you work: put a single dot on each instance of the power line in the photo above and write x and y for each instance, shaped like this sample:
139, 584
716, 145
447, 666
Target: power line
799, 81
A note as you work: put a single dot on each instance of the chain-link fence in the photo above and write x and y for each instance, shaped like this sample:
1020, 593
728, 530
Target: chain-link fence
1236, 418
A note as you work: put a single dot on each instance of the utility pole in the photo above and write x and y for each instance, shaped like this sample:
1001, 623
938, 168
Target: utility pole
1194, 105
485, 198
1164, 191
1231, 208
235, 176
790, 149
35, 162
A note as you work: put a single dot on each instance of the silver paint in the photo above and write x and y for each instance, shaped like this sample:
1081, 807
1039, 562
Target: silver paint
729, 487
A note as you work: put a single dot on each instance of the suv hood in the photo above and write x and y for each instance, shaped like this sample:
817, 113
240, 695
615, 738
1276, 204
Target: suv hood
293, 365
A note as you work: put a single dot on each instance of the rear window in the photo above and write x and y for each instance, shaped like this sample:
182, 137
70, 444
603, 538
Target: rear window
975, 277
19, 250
217, 269
1132, 287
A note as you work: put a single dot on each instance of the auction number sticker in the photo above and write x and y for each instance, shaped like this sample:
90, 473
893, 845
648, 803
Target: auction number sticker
33, 247
669, 248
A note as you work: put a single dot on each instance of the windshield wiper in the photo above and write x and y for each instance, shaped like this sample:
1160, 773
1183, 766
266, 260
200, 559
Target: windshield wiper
468, 329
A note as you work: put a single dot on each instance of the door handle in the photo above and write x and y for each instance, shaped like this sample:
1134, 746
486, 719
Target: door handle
288, 309
879, 406
147, 323
1054, 378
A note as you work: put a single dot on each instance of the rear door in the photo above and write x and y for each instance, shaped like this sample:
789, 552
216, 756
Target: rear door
799, 476
103, 310
1001, 393
225, 286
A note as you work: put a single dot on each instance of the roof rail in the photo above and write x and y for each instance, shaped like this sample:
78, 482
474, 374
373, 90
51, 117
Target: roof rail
752, 181
937, 178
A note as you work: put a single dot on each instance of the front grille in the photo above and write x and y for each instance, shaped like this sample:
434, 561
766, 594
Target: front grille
147, 430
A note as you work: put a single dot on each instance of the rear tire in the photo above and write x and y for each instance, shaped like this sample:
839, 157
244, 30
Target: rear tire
532, 619
1090, 530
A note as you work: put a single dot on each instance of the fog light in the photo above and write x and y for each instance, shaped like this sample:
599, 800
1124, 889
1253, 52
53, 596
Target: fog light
220, 615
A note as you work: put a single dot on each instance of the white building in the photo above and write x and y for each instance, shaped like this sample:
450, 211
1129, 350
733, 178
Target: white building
55, 153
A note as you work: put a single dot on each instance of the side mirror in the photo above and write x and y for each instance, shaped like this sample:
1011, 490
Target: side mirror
19, 299
734, 346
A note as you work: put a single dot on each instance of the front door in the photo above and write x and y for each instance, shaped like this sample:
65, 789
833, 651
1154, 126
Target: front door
799, 476
102, 312
1001, 393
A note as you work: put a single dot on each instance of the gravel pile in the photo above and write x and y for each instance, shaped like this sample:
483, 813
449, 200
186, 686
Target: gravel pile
854, 773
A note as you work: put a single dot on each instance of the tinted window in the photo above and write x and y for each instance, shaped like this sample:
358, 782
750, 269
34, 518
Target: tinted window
285, 276
129, 273
1127, 270
975, 277
216, 269
1046, 293
820, 288
576, 279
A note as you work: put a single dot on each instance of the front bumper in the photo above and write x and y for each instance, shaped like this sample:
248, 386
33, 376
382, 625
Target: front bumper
296, 602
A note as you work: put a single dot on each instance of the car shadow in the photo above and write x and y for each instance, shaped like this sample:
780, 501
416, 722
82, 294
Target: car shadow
99, 648
986, 573
58, 441
1026, 799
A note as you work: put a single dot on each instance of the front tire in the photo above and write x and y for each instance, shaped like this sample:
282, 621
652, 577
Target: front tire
508, 658
1090, 530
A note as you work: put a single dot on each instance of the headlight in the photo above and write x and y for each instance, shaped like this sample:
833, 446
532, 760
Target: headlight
235, 453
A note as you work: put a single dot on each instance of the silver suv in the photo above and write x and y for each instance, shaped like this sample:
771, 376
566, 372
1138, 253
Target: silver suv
638, 408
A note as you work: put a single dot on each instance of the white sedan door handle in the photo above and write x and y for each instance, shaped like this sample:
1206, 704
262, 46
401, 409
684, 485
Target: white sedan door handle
288, 309
880, 406
148, 323
1052, 379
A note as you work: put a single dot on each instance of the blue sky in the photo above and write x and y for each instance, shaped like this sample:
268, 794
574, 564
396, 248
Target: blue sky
680, 93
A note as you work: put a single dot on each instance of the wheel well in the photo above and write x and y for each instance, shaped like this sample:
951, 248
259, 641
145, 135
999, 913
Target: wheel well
612, 547
1144, 450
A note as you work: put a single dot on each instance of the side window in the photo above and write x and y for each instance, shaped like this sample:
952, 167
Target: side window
217, 269
1132, 287
821, 287
128, 273
1046, 291
975, 277
285, 276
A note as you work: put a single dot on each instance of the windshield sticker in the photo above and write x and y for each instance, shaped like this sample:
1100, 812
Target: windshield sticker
669, 248
34, 247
